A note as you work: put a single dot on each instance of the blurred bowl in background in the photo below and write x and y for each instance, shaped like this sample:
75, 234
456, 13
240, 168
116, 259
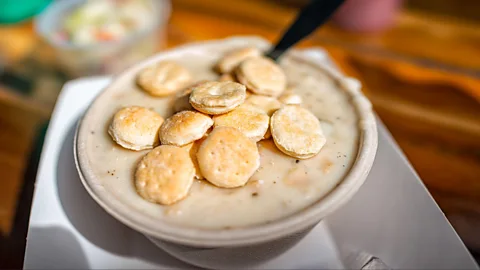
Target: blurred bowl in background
103, 57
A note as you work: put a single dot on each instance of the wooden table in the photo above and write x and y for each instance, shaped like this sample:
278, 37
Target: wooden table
422, 76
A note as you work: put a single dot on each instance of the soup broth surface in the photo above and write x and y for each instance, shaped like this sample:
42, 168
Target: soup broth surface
281, 186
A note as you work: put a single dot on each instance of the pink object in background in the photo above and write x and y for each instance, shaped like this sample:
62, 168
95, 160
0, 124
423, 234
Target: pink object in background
367, 15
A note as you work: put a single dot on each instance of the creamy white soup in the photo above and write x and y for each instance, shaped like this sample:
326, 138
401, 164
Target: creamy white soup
281, 186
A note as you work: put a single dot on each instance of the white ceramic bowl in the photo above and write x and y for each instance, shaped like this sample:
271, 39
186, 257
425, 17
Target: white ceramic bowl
236, 237
245, 257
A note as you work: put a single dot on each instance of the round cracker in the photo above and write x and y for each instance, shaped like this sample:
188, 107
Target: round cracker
184, 127
163, 78
192, 149
262, 76
297, 132
290, 98
268, 134
268, 104
135, 128
182, 98
217, 97
164, 175
233, 58
250, 121
227, 158
227, 77
182, 101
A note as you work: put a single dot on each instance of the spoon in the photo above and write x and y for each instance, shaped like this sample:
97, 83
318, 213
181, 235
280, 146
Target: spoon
308, 19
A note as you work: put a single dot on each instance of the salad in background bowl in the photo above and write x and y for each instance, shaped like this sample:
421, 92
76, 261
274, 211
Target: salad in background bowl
103, 37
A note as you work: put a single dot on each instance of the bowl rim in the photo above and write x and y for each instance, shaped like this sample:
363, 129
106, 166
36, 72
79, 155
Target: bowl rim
197, 237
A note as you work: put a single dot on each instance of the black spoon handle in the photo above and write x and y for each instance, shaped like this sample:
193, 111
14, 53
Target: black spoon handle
309, 18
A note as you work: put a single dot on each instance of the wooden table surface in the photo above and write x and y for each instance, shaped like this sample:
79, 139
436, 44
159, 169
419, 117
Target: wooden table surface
422, 76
